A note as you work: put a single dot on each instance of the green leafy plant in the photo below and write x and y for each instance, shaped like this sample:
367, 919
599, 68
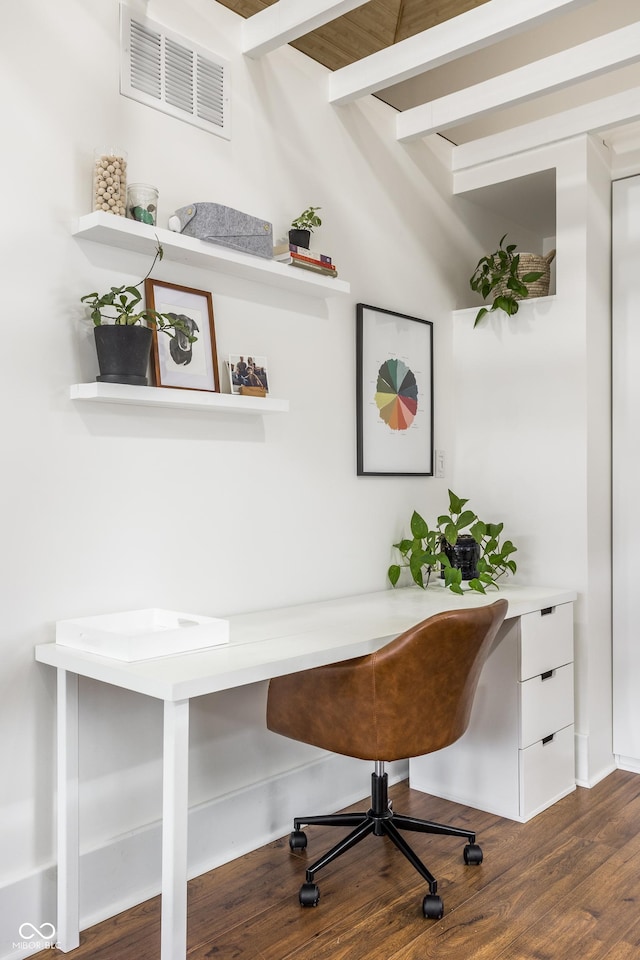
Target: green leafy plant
498, 273
307, 220
121, 305
424, 552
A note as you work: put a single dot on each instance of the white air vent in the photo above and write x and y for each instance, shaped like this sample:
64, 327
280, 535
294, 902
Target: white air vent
165, 71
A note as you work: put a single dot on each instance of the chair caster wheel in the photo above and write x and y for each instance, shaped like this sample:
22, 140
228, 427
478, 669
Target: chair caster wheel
297, 840
309, 895
433, 907
472, 853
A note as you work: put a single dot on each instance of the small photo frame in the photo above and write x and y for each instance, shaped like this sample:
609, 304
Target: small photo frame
176, 361
248, 373
394, 399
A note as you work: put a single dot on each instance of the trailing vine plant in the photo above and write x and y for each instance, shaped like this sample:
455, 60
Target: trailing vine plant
423, 553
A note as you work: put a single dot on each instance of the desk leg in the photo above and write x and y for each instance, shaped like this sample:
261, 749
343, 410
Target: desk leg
175, 810
68, 930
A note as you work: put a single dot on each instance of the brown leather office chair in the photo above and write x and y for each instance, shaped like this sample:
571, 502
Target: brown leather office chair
410, 698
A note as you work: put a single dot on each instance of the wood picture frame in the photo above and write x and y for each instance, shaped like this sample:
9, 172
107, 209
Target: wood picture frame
394, 399
176, 362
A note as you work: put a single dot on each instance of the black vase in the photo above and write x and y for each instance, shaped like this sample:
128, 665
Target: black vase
464, 554
301, 238
123, 353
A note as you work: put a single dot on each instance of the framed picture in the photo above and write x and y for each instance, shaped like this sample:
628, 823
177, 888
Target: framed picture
177, 362
394, 403
247, 370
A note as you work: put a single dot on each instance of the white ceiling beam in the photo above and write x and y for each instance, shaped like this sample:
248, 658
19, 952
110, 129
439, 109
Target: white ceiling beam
597, 56
447, 41
589, 118
287, 20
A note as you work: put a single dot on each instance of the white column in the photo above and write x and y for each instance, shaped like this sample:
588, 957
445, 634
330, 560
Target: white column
175, 809
68, 929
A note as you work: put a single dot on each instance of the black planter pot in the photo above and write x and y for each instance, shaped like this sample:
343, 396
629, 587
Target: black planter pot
464, 554
301, 238
123, 353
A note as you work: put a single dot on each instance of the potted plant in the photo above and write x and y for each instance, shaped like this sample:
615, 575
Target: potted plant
303, 226
123, 344
464, 547
510, 277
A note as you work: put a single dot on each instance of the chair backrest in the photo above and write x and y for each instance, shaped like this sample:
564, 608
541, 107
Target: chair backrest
411, 697
426, 680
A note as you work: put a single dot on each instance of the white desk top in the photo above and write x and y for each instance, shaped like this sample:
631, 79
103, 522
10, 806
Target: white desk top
271, 643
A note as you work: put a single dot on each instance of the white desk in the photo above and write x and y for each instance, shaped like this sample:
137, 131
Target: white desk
263, 645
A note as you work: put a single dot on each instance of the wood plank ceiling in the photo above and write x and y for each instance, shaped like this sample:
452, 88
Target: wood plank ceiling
371, 27
519, 61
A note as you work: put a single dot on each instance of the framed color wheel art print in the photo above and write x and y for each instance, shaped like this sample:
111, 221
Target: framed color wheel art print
394, 374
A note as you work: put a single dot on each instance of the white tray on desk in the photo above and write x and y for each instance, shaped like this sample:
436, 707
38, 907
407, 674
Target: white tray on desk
142, 634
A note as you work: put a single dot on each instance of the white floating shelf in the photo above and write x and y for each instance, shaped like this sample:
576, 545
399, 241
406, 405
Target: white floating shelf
115, 231
171, 397
524, 305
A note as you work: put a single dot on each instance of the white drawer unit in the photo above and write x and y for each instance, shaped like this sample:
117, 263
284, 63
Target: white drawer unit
517, 757
546, 640
546, 772
546, 704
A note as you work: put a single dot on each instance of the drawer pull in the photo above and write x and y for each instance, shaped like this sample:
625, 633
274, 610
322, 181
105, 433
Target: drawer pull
547, 675
546, 740
546, 611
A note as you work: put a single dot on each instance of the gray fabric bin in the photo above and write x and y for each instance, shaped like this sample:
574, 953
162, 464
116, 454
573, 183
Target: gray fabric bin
216, 223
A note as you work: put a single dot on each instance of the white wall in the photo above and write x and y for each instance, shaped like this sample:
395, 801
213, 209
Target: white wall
533, 423
626, 385
112, 509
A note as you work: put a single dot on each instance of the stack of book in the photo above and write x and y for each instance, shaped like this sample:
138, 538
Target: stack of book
305, 259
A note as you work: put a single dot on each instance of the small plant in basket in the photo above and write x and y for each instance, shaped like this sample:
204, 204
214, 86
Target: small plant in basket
499, 274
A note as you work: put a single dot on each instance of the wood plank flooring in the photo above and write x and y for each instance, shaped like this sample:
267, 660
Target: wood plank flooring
565, 885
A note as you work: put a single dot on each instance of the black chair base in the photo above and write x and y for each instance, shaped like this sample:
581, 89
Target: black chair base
380, 820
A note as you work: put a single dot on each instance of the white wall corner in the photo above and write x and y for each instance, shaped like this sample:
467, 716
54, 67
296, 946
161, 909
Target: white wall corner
578, 339
586, 775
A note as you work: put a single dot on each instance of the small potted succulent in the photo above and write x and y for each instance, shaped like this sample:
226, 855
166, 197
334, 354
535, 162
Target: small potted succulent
463, 547
508, 277
123, 344
303, 226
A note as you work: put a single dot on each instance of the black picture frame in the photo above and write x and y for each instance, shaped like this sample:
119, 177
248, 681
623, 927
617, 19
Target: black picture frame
394, 399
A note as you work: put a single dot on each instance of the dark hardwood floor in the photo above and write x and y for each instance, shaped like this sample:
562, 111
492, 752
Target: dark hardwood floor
565, 885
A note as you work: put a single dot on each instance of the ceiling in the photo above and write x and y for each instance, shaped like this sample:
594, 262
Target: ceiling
367, 29
380, 25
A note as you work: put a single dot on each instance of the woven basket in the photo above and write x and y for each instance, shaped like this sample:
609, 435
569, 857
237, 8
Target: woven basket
531, 263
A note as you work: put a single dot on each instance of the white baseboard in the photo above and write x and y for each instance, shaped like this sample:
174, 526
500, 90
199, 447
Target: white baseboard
596, 777
585, 777
632, 764
127, 870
